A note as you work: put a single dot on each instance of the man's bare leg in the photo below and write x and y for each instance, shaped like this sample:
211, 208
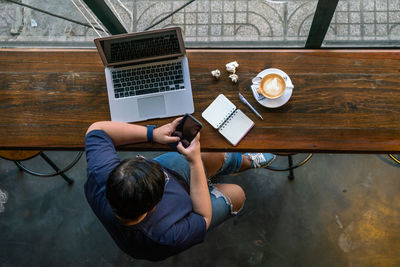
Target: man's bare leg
213, 162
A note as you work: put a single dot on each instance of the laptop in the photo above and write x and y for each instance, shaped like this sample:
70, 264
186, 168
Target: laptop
147, 75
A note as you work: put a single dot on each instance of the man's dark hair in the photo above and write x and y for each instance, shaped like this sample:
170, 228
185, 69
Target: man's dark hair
134, 187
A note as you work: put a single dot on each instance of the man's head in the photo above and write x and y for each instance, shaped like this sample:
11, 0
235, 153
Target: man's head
134, 187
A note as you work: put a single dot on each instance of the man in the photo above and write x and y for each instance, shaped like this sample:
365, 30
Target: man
156, 208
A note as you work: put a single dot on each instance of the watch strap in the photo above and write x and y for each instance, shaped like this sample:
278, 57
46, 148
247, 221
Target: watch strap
150, 129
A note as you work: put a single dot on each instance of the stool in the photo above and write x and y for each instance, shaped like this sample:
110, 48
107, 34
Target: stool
17, 156
394, 158
291, 167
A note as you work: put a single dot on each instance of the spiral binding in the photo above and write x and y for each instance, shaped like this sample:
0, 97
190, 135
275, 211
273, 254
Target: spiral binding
226, 117
230, 117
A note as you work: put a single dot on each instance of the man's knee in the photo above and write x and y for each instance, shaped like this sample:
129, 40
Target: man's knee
240, 197
234, 194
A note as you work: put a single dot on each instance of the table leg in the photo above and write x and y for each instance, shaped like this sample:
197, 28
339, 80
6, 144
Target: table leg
54, 166
291, 173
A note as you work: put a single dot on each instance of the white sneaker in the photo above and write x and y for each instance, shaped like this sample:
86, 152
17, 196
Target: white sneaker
260, 160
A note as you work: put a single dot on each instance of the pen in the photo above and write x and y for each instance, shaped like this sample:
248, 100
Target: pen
250, 106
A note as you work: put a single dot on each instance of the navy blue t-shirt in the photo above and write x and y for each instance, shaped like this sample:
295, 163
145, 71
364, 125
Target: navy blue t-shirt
171, 228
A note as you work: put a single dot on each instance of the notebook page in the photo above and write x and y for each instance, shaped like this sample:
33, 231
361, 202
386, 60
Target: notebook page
218, 111
236, 127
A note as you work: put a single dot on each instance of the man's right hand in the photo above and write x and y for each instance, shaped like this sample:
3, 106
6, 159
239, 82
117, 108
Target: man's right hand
192, 152
162, 135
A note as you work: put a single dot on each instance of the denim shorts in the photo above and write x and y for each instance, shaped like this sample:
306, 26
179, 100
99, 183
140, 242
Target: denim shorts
221, 205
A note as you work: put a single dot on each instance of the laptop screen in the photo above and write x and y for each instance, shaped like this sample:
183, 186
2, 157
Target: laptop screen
138, 47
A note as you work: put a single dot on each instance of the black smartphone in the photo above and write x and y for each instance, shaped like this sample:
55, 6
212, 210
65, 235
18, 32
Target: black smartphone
186, 130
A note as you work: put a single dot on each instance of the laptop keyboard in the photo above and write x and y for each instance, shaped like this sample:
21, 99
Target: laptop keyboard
148, 80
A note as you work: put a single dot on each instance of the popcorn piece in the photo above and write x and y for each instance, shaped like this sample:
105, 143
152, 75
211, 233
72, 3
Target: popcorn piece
231, 66
234, 78
216, 73
233, 63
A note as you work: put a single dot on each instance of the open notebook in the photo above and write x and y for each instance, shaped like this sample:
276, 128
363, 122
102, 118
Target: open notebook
231, 122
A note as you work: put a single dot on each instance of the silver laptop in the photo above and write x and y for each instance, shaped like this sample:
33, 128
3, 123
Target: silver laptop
147, 75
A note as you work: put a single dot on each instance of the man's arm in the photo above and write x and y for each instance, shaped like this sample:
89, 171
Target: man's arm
199, 192
124, 133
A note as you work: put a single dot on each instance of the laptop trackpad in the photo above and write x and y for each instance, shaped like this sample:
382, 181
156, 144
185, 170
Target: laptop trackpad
151, 106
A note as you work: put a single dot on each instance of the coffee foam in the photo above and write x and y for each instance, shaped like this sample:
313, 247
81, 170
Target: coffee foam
273, 86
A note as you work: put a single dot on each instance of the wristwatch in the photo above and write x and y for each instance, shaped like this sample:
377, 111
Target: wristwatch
150, 129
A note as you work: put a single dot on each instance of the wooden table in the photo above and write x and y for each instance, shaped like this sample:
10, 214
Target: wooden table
343, 101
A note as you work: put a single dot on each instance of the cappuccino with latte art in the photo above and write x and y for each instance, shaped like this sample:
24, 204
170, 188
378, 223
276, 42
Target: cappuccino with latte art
272, 86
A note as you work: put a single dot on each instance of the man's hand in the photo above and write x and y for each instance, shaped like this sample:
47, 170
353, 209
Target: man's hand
192, 152
162, 135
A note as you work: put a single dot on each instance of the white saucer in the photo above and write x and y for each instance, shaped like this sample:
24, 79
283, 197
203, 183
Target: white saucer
273, 103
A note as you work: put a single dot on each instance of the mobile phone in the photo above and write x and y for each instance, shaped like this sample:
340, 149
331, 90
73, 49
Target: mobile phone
186, 130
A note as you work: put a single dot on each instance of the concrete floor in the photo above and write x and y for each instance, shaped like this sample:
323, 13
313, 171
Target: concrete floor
341, 210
